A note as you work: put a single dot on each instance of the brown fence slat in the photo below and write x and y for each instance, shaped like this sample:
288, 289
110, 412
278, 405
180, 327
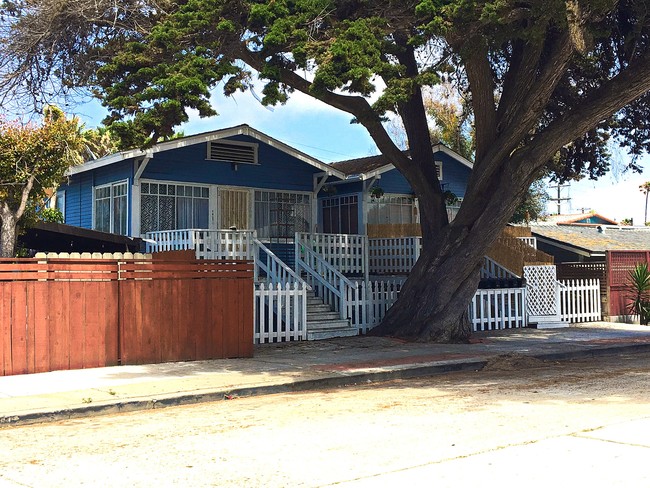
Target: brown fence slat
59, 325
40, 322
18, 324
77, 307
5, 327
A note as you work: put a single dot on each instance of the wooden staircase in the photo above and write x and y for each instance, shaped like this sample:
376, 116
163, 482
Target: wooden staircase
323, 322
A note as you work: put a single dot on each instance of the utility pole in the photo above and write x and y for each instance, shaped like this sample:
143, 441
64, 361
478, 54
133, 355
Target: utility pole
559, 199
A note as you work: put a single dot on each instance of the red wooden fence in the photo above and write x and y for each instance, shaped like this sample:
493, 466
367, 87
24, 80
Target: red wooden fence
619, 264
70, 314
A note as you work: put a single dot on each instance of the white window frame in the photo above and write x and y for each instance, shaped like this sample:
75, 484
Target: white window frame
212, 198
438, 169
312, 203
385, 197
111, 185
59, 202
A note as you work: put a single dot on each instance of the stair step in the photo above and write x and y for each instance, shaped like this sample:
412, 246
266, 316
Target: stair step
328, 324
321, 316
320, 308
315, 335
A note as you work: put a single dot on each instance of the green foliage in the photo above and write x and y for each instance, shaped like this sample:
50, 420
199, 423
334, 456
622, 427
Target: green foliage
53, 215
639, 292
33, 159
43, 152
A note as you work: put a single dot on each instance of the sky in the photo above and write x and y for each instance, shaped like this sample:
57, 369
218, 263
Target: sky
327, 134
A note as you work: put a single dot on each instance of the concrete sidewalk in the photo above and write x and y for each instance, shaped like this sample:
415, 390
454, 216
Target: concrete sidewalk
286, 367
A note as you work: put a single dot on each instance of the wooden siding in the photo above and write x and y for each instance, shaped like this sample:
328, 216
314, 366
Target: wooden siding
71, 314
454, 174
79, 192
276, 169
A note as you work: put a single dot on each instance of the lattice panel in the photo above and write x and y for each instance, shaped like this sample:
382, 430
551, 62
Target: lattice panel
541, 290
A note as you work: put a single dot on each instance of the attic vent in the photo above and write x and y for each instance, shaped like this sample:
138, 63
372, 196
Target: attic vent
439, 170
232, 152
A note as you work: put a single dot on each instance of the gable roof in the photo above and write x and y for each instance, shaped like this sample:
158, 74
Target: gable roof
594, 239
591, 218
376, 165
243, 129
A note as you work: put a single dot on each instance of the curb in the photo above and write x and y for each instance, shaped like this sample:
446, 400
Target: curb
343, 380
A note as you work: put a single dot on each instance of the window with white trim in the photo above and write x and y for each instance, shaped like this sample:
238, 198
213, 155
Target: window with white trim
340, 214
392, 209
281, 214
171, 206
59, 202
110, 207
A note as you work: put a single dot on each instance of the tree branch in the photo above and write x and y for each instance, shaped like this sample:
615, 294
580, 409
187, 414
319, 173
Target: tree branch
601, 104
354, 105
481, 83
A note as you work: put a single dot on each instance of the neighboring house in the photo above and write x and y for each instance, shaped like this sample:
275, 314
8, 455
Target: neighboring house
587, 238
588, 247
239, 177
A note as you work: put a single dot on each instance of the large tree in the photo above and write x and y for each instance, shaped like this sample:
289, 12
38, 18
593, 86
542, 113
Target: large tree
548, 82
33, 159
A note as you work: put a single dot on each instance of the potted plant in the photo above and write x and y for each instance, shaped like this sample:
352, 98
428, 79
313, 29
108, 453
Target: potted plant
376, 192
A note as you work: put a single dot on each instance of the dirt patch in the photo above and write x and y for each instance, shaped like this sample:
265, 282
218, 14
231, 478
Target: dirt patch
512, 361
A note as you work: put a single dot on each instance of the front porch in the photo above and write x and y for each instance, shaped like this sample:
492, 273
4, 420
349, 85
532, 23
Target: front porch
338, 284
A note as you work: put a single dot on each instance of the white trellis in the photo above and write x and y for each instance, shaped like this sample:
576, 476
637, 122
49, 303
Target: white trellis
542, 296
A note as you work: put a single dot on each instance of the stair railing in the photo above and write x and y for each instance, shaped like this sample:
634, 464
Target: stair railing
327, 281
275, 269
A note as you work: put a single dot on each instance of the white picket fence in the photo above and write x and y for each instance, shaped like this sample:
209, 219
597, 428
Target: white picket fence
498, 308
580, 300
280, 312
367, 302
493, 309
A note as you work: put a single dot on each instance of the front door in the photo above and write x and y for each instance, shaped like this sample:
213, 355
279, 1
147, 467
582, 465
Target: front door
234, 209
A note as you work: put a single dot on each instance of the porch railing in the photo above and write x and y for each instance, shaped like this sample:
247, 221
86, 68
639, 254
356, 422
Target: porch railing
492, 269
531, 241
326, 281
275, 270
395, 255
208, 244
346, 252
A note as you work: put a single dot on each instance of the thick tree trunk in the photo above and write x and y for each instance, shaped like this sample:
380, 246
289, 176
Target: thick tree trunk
433, 302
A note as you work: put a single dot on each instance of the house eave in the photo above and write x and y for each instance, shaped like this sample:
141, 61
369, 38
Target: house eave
243, 129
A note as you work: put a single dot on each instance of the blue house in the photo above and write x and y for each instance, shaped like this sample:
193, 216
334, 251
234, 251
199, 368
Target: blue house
239, 193
241, 178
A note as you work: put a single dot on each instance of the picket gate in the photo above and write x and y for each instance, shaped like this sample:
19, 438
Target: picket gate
580, 300
280, 312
